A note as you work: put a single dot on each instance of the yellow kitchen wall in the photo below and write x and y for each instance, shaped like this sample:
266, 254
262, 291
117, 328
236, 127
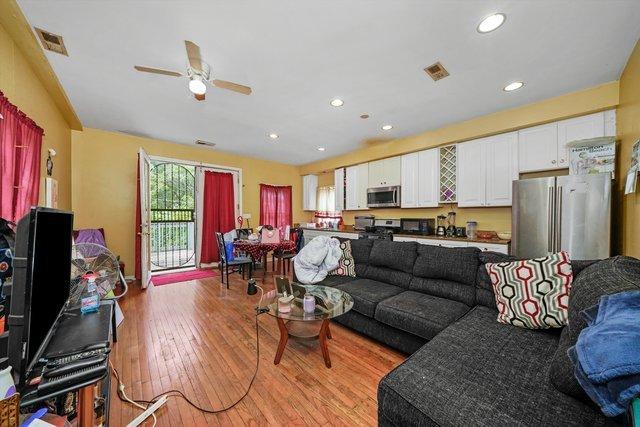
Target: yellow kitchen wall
104, 182
573, 104
24, 89
627, 219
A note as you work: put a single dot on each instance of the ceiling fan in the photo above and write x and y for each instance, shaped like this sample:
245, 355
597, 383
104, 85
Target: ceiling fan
198, 72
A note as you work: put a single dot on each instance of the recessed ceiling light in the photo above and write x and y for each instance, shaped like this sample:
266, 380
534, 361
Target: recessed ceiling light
386, 127
337, 102
273, 135
321, 148
491, 22
364, 116
513, 86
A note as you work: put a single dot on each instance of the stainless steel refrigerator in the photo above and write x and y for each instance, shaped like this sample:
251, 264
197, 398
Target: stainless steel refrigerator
570, 213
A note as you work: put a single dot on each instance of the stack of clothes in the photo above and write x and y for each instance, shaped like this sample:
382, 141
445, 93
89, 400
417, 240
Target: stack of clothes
607, 354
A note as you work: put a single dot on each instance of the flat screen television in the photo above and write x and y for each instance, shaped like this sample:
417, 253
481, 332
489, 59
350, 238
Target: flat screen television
41, 284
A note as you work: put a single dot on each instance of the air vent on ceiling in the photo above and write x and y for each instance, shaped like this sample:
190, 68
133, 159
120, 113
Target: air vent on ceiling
207, 143
52, 42
436, 71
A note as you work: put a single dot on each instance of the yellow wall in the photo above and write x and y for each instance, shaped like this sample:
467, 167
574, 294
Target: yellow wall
627, 219
498, 219
104, 182
25, 90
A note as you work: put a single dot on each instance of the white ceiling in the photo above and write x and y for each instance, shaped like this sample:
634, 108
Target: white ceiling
298, 55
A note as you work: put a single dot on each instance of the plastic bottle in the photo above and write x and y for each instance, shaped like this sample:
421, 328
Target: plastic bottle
90, 300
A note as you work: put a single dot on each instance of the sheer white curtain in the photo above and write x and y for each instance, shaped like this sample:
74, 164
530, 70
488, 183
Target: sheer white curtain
326, 199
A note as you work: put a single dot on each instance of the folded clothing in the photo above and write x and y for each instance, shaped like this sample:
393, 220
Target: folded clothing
606, 356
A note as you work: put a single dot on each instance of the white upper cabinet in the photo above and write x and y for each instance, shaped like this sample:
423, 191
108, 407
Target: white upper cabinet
545, 147
338, 176
501, 154
471, 173
385, 172
428, 178
409, 181
420, 179
585, 127
309, 192
357, 181
538, 148
486, 169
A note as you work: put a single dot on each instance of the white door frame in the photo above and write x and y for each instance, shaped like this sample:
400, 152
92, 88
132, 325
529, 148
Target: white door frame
145, 218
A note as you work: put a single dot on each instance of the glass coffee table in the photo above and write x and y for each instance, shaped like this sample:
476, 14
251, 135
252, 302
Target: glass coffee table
299, 324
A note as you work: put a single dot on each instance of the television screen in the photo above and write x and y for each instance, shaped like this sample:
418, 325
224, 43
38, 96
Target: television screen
51, 274
41, 283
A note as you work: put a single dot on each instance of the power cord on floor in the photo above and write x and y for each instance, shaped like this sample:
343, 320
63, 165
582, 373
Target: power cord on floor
177, 393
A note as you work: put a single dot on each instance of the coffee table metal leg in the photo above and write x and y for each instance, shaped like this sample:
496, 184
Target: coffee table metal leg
323, 342
284, 337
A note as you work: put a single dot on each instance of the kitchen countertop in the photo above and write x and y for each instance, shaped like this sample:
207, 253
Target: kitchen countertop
350, 229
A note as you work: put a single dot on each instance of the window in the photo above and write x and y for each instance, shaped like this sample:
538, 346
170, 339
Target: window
275, 205
326, 201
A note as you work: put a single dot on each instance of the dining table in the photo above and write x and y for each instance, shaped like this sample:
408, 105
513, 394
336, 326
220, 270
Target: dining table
258, 251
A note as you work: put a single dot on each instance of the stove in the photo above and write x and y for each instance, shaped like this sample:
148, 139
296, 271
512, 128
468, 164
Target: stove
376, 233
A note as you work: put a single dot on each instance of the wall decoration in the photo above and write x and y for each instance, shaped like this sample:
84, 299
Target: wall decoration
589, 156
50, 193
634, 168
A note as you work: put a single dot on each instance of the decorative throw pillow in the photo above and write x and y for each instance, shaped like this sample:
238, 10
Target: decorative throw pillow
533, 293
346, 265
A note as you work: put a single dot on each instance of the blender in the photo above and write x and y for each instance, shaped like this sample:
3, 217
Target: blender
451, 221
441, 229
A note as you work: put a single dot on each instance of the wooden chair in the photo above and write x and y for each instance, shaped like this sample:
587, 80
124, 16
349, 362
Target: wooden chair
284, 257
224, 264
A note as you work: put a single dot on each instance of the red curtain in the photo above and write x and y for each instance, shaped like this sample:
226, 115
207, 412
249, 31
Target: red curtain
138, 246
275, 205
218, 212
20, 147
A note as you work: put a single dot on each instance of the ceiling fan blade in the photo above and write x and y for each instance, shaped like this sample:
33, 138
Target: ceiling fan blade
157, 71
193, 53
223, 84
199, 97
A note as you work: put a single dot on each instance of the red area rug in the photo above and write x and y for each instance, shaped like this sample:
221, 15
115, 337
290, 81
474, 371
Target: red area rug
182, 276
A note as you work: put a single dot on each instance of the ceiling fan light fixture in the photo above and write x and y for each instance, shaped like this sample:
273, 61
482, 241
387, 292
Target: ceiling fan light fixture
197, 86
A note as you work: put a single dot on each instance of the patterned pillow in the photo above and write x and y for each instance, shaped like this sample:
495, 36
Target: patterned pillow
533, 293
346, 265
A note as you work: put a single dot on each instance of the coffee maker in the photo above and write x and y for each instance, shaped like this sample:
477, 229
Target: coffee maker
441, 229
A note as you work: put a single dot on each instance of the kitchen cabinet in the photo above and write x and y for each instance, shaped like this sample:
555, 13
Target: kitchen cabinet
545, 147
338, 176
385, 172
584, 127
538, 148
486, 169
420, 179
501, 168
309, 192
357, 182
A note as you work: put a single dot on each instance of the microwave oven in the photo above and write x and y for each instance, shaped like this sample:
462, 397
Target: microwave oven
424, 226
383, 197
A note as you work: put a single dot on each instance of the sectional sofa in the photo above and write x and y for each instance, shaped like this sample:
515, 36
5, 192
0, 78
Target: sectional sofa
465, 368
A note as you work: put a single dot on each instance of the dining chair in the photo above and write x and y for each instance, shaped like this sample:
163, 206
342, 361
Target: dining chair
284, 257
224, 263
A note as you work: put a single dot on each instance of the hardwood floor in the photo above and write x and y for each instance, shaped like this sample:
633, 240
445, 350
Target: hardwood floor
199, 337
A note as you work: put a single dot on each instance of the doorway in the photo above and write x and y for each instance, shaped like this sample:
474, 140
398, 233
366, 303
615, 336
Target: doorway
172, 200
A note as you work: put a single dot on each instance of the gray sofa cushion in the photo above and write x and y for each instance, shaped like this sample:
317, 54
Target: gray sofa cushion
386, 275
394, 255
455, 264
367, 293
418, 313
609, 276
480, 372
361, 249
445, 288
336, 280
